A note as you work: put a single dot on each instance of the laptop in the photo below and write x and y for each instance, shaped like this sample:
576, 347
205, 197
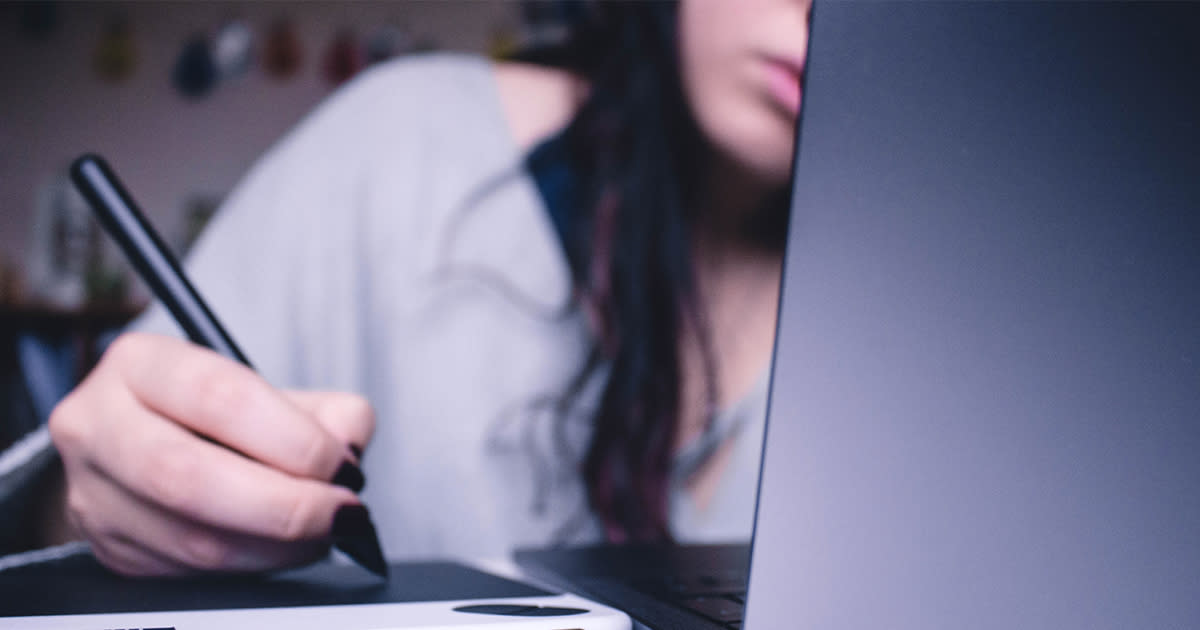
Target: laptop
985, 399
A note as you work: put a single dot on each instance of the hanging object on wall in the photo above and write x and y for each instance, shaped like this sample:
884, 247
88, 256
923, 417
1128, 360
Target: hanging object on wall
38, 20
344, 58
282, 54
116, 54
194, 74
549, 24
386, 42
503, 43
233, 50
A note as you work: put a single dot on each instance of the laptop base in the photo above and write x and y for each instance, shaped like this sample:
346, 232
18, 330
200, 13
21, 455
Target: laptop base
663, 587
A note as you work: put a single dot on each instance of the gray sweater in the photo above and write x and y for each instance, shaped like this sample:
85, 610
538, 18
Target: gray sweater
393, 245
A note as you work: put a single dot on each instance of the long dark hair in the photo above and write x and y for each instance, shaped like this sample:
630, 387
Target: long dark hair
633, 147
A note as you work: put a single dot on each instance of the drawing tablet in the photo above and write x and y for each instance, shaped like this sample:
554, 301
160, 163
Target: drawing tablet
77, 592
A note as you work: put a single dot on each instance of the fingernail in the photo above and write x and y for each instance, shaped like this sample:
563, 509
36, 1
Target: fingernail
357, 450
352, 521
349, 476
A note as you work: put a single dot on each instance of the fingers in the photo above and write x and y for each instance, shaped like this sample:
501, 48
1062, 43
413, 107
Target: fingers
154, 496
227, 402
169, 467
135, 558
348, 417
163, 543
131, 560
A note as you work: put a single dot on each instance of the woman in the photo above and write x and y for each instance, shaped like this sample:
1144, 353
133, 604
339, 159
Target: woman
555, 286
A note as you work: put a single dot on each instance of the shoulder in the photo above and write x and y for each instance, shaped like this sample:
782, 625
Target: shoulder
401, 126
408, 147
533, 101
415, 89
448, 99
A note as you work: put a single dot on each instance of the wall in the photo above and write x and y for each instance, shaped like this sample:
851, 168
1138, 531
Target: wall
166, 148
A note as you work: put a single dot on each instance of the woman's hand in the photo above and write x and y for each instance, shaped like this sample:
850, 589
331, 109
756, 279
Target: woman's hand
179, 460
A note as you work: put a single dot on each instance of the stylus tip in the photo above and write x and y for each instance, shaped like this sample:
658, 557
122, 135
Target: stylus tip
354, 534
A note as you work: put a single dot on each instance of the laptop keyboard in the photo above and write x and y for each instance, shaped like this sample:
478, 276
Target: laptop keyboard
719, 598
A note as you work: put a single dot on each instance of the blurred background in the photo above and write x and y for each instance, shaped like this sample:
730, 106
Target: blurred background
181, 97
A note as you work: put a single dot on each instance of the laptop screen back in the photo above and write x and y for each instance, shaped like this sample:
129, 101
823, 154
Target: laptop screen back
985, 409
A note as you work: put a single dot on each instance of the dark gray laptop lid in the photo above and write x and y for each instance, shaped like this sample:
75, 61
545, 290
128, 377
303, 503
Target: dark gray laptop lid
985, 409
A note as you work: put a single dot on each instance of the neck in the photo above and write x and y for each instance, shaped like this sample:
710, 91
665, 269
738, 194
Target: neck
737, 214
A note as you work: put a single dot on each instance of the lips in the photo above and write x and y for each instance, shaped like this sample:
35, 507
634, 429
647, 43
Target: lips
783, 82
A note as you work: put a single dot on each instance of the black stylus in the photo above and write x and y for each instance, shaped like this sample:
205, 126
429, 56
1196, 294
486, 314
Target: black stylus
119, 215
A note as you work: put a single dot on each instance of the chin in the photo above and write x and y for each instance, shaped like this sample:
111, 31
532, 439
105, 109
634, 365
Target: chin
768, 157
755, 136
